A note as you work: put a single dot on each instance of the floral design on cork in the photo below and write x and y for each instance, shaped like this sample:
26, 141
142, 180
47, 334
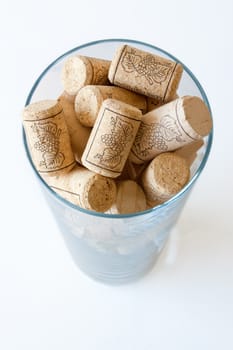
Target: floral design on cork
156, 136
147, 66
48, 143
115, 141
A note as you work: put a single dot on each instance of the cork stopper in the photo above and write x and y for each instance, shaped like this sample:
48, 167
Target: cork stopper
145, 73
130, 198
78, 133
47, 137
79, 71
170, 127
89, 99
111, 138
165, 176
84, 188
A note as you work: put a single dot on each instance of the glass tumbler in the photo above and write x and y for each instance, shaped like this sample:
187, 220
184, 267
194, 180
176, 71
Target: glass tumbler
115, 248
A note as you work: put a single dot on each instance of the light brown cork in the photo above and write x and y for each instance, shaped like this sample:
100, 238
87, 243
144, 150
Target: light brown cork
189, 152
145, 73
130, 198
84, 188
165, 176
79, 71
48, 138
79, 134
171, 126
111, 138
89, 99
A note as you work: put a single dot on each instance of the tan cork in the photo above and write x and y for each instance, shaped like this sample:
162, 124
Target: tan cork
79, 71
189, 152
111, 138
84, 188
79, 134
165, 176
48, 138
130, 198
171, 126
89, 99
145, 73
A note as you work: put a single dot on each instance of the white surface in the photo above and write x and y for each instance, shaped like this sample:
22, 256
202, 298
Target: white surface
186, 302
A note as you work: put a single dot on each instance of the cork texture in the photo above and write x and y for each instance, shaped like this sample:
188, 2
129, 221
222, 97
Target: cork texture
165, 176
111, 138
79, 71
79, 134
145, 73
84, 188
170, 127
130, 198
89, 99
48, 138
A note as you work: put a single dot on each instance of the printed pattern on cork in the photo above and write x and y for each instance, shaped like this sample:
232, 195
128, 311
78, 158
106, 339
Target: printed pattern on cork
145, 73
165, 129
111, 138
48, 140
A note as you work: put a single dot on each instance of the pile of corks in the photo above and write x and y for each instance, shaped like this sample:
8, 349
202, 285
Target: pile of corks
119, 139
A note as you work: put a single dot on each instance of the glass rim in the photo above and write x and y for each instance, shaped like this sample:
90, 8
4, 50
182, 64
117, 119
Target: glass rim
157, 207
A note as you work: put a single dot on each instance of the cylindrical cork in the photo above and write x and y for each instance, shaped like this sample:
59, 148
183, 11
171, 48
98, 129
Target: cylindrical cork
165, 176
130, 198
189, 152
79, 134
79, 71
89, 99
145, 73
111, 138
171, 126
84, 188
48, 138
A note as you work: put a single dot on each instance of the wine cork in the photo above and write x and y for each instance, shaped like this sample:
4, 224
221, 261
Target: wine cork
171, 126
130, 198
48, 138
79, 134
165, 176
79, 71
111, 138
189, 152
145, 73
84, 188
89, 99
153, 103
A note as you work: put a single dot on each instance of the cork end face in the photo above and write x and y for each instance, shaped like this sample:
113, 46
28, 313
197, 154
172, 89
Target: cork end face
101, 193
87, 104
41, 109
171, 173
197, 114
76, 73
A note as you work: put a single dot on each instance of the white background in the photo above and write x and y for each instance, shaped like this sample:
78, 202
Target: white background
186, 301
